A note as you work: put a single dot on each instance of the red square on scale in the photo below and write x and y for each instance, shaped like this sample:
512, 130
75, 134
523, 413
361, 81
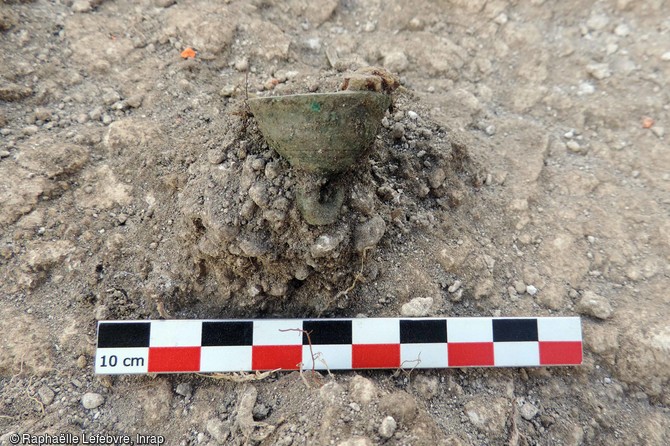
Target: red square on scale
271, 357
560, 353
470, 354
174, 359
375, 356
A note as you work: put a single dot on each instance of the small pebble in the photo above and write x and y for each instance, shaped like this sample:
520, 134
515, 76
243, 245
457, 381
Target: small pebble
530, 289
227, 91
501, 18
216, 156
369, 233
30, 130
573, 146
412, 115
611, 48
324, 246
218, 429
398, 131
4, 153
242, 64
92, 400
528, 411
436, 177
387, 427
519, 287
585, 88
184, 389
622, 30
599, 71
658, 131
46, 395
666, 56
96, 114
417, 307
135, 101
455, 286
593, 304
81, 6
110, 97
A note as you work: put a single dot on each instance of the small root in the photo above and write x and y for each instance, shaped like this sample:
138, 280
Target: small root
358, 277
239, 377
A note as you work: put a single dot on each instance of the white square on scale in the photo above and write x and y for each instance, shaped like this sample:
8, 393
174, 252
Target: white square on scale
375, 331
336, 357
431, 356
176, 333
232, 358
278, 332
559, 329
516, 354
470, 329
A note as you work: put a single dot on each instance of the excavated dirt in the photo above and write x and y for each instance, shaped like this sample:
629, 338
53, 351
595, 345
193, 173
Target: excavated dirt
523, 170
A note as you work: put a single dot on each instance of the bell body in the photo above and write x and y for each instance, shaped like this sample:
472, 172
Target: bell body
322, 133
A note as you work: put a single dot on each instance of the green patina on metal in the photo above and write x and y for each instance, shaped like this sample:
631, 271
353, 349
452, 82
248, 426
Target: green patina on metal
330, 141
323, 135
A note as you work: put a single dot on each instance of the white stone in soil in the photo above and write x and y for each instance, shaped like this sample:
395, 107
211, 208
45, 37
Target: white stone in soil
92, 400
528, 411
417, 307
387, 427
592, 304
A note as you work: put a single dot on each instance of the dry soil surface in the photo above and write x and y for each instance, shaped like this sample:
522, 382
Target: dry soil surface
524, 170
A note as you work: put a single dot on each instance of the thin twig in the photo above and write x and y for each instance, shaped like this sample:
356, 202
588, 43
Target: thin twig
309, 341
322, 360
416, 362
302, 376
38, 402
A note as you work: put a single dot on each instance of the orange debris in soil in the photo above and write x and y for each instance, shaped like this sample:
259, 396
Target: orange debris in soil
188, 53
647, 123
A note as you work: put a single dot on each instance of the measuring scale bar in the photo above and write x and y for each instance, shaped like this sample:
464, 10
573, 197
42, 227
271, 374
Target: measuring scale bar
186, 346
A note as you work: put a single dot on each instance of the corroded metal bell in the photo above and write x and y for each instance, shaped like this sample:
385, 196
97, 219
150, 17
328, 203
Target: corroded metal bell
321, 135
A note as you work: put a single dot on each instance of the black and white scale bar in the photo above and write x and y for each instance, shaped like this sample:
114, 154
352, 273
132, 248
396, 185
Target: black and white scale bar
181, 346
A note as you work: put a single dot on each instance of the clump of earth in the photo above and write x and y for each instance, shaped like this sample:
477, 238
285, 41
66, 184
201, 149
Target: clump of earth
251, 246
